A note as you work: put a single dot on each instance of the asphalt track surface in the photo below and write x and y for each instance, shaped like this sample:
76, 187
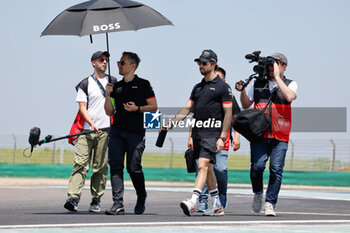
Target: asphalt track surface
40, 207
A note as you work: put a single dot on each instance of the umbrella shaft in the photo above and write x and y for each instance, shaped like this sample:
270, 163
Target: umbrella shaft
109, 64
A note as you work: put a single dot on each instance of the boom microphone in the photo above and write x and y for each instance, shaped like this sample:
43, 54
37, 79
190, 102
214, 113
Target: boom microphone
34, 136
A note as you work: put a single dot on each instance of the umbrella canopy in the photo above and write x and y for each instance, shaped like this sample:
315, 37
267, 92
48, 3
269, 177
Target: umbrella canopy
104, 16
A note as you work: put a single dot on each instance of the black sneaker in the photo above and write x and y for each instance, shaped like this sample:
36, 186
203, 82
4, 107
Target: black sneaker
71, 205
116, 209
140, 204
95, 206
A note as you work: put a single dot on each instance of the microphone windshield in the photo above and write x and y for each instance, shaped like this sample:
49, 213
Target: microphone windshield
34, 136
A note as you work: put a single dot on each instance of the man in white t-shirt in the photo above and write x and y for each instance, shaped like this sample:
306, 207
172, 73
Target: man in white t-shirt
91, 148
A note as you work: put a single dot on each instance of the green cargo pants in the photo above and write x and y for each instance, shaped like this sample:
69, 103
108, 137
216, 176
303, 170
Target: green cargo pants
90, 149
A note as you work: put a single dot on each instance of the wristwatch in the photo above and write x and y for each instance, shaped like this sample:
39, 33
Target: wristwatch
222, 138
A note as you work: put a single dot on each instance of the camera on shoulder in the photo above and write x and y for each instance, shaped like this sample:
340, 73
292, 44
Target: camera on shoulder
261, 70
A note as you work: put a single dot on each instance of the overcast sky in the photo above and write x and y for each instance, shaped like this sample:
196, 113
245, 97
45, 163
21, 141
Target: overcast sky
39, 73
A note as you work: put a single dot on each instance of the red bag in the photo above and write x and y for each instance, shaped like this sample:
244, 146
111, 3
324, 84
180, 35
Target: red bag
77, 127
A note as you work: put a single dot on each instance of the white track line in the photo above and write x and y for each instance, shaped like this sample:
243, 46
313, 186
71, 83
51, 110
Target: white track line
179, 224
318, 214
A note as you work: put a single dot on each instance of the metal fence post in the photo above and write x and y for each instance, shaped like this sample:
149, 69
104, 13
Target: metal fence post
333, 160
171, 152
53, 152
292, 155
62, 153
14, 148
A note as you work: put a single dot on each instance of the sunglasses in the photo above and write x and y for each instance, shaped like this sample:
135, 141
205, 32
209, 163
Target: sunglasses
202, 62
279, 62
121, 63
103, 59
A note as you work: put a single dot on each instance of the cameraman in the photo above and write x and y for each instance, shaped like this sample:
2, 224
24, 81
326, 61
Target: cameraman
275, 142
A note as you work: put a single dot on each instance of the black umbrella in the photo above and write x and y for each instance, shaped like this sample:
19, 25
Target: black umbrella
104, 16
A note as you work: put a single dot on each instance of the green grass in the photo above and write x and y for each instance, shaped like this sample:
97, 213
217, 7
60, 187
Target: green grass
39, 156
153, 160
157, 160
149, 160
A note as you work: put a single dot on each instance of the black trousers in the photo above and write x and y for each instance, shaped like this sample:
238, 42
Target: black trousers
133, 145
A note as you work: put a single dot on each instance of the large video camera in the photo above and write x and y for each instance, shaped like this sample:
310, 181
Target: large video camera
261, 69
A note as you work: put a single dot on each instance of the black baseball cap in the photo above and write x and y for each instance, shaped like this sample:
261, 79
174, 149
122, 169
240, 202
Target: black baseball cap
208, 55
99, 54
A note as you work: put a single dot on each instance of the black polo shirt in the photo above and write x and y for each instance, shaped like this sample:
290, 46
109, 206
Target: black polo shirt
235, 106
137, 91
208, 98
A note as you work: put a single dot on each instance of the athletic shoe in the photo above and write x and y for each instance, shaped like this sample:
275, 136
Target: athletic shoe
95, 206
140, 205
257, 203
202, 207
269, 209
116, 209
71, 205
188, 207
216, 210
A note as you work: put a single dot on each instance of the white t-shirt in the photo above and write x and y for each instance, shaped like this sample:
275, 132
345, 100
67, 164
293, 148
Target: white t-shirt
272, 84
96, 103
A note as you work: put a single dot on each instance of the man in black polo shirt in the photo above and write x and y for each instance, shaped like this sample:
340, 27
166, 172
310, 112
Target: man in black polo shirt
211, 103
133, 96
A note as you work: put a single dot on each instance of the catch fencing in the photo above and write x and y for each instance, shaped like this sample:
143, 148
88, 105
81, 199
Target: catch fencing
302, 155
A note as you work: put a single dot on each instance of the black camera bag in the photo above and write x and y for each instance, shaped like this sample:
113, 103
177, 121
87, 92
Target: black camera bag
253, 123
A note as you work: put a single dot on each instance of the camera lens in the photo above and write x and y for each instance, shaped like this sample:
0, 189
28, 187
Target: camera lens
269, 61
258, 69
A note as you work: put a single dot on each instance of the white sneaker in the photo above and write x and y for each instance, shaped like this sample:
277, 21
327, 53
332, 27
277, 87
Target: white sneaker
188, 207
269, 210
257, 203
216, 210
202, 207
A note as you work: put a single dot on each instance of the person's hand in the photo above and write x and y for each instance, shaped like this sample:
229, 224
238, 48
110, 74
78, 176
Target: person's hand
236, 143
109, 89
130, 107
219, 145
190, 143
167, 127
276, 70
239, 86
95, 128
